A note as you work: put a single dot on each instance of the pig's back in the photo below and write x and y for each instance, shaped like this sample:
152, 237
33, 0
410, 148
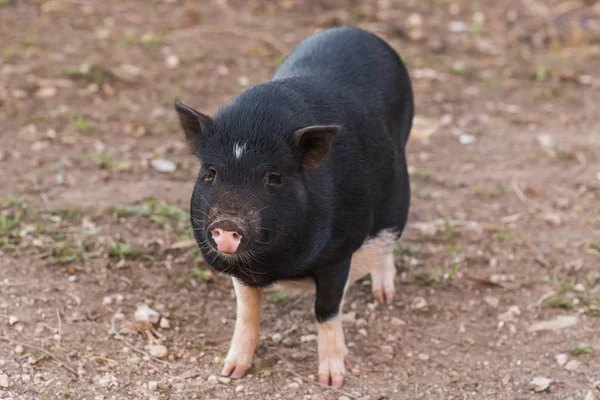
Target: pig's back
358, 66
350, 77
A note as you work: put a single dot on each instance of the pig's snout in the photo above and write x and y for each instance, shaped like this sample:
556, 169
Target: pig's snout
228, 236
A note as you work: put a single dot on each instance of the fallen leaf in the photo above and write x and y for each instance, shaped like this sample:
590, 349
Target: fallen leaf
560, 322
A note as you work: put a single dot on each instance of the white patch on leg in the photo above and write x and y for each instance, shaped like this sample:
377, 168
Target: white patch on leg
376, 256
332, 352
238, 150
246, 334
382, 280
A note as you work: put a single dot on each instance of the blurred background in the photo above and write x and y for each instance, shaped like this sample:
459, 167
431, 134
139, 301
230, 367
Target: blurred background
499, 278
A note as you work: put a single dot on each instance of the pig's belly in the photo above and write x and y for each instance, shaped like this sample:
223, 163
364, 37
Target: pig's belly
372, 254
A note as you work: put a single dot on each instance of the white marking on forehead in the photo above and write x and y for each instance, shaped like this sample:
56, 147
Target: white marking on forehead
238, 150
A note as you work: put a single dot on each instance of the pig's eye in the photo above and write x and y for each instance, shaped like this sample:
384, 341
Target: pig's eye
273, 179
211, 174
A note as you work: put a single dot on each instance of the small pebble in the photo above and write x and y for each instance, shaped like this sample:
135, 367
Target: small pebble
510, 315
540, 383
423, 357
293, 386
561, 359
545, 140
212, 379
590, 396
277, 337
13, 319
397, 321
108, 380
552, 219
244, 81
492, 301
572, 365
163, 165
222, 70
172, 61
164, 323
4, 381
596, 385
19, 349
224, 380
457, 26
158, 351
146, 314
466, 139
387, 349
579, 287
363, 332
46, 92
239, 388
153, 386
414, 20
418, 303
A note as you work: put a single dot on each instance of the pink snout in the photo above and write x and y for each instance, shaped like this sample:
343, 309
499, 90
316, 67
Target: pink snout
227, 242
228, 237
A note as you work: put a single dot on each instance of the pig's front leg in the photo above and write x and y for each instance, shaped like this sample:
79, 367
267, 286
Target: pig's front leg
331, 285
246, 334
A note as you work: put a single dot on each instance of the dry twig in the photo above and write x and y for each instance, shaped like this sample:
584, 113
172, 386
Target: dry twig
42, 350
540, 207
59, 326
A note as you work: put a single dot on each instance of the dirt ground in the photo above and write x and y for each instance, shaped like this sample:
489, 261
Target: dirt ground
504, 231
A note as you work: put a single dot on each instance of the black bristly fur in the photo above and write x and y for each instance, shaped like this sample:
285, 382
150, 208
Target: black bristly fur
310, 224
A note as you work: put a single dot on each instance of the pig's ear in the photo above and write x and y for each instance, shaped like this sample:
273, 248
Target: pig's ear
314, 142
193, 123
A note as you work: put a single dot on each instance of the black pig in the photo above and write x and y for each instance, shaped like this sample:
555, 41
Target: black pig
304, 178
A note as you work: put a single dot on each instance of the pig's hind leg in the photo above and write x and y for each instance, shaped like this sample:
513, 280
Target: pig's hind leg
376, 256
